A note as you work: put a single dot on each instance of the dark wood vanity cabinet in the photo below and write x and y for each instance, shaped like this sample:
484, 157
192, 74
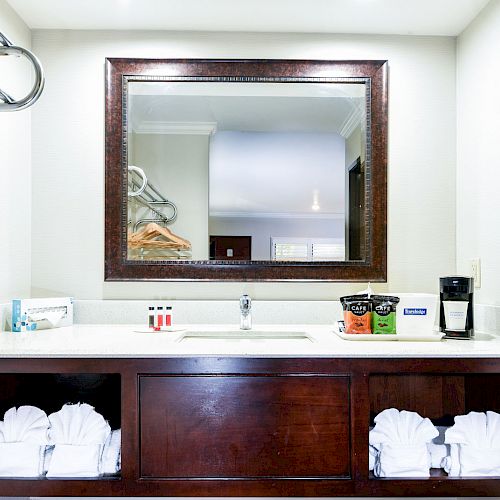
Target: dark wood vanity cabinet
244, 427
252, 427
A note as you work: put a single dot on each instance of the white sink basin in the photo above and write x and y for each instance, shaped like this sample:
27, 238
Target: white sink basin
245, 336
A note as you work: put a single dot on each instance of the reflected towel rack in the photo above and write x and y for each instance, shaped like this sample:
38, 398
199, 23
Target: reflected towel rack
147, 195
8, 103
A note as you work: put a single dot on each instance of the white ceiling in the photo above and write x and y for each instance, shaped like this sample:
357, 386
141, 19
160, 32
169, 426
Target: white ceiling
257, 114
257, 107
404, 17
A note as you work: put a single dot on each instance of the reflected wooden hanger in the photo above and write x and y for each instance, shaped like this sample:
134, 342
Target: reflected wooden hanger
147, 238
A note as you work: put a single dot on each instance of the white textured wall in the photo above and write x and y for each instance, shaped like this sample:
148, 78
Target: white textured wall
277, 172
478, 159
354, 148
262, 229
15, 158
177, 165
68, 155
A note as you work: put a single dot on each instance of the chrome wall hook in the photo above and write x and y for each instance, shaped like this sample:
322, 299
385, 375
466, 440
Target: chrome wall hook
8, 103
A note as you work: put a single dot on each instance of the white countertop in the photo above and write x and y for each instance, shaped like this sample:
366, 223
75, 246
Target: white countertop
116, 341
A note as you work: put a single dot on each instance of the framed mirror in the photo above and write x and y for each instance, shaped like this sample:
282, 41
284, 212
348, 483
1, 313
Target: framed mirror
246, 170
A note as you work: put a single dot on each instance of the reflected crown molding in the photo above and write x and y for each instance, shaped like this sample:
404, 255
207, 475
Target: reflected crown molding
175, 128
351, 122
278, 215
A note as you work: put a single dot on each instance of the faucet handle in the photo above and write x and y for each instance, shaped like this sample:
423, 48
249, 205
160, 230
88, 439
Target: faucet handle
245, 302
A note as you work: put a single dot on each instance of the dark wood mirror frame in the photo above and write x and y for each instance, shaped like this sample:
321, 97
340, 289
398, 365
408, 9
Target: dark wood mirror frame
121, 71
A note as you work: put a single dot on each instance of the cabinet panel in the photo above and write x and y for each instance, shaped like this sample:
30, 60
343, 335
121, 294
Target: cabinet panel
439, 397
244, 426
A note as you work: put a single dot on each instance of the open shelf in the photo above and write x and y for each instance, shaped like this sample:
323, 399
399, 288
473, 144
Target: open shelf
50, 391
439, 397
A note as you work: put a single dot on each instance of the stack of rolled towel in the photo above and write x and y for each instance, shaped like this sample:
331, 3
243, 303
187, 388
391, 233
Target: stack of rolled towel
404, 444
474, 443
399, 440
23, 438
111, 462
76, 441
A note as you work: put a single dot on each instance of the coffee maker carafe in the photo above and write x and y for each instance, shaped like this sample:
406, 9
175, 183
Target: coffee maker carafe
456, 319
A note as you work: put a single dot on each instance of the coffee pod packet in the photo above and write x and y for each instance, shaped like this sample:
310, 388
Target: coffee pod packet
357, 314
384, 314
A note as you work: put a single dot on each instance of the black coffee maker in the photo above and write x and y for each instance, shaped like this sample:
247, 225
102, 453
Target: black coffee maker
456, 318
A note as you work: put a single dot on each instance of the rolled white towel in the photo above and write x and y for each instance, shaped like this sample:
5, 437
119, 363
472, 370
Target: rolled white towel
23, 437
401, 438
403, 461
24, 424
111, 455
78, 424
78, 434
49, 450
477, 462
372, 454
438, 450
465, 461
21, 459
451, 463
372, 457
75, 460
475, 445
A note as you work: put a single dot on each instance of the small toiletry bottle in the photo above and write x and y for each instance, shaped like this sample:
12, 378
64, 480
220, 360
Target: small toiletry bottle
151, 318
159, 318
168, 316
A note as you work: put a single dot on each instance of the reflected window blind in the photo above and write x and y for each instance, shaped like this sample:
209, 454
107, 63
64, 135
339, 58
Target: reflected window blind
307, 249
290, 251
328, 251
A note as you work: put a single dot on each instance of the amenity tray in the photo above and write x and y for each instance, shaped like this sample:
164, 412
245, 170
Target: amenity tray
433, 336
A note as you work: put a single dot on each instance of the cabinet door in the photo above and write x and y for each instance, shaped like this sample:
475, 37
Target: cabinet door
244, 426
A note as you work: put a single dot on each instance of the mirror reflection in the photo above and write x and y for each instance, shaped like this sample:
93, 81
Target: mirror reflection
246, 171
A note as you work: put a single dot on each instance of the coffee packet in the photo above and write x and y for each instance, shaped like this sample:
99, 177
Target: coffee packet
357, 314
384, 314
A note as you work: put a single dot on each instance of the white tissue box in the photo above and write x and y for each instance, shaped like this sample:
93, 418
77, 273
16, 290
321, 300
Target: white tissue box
75, 461
38, 314
416, 313
21, 459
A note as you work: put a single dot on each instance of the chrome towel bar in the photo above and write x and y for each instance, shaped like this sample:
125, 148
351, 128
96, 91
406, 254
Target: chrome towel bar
148, 196
8, 103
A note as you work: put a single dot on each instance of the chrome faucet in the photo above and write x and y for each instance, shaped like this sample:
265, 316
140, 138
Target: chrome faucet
246, 312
